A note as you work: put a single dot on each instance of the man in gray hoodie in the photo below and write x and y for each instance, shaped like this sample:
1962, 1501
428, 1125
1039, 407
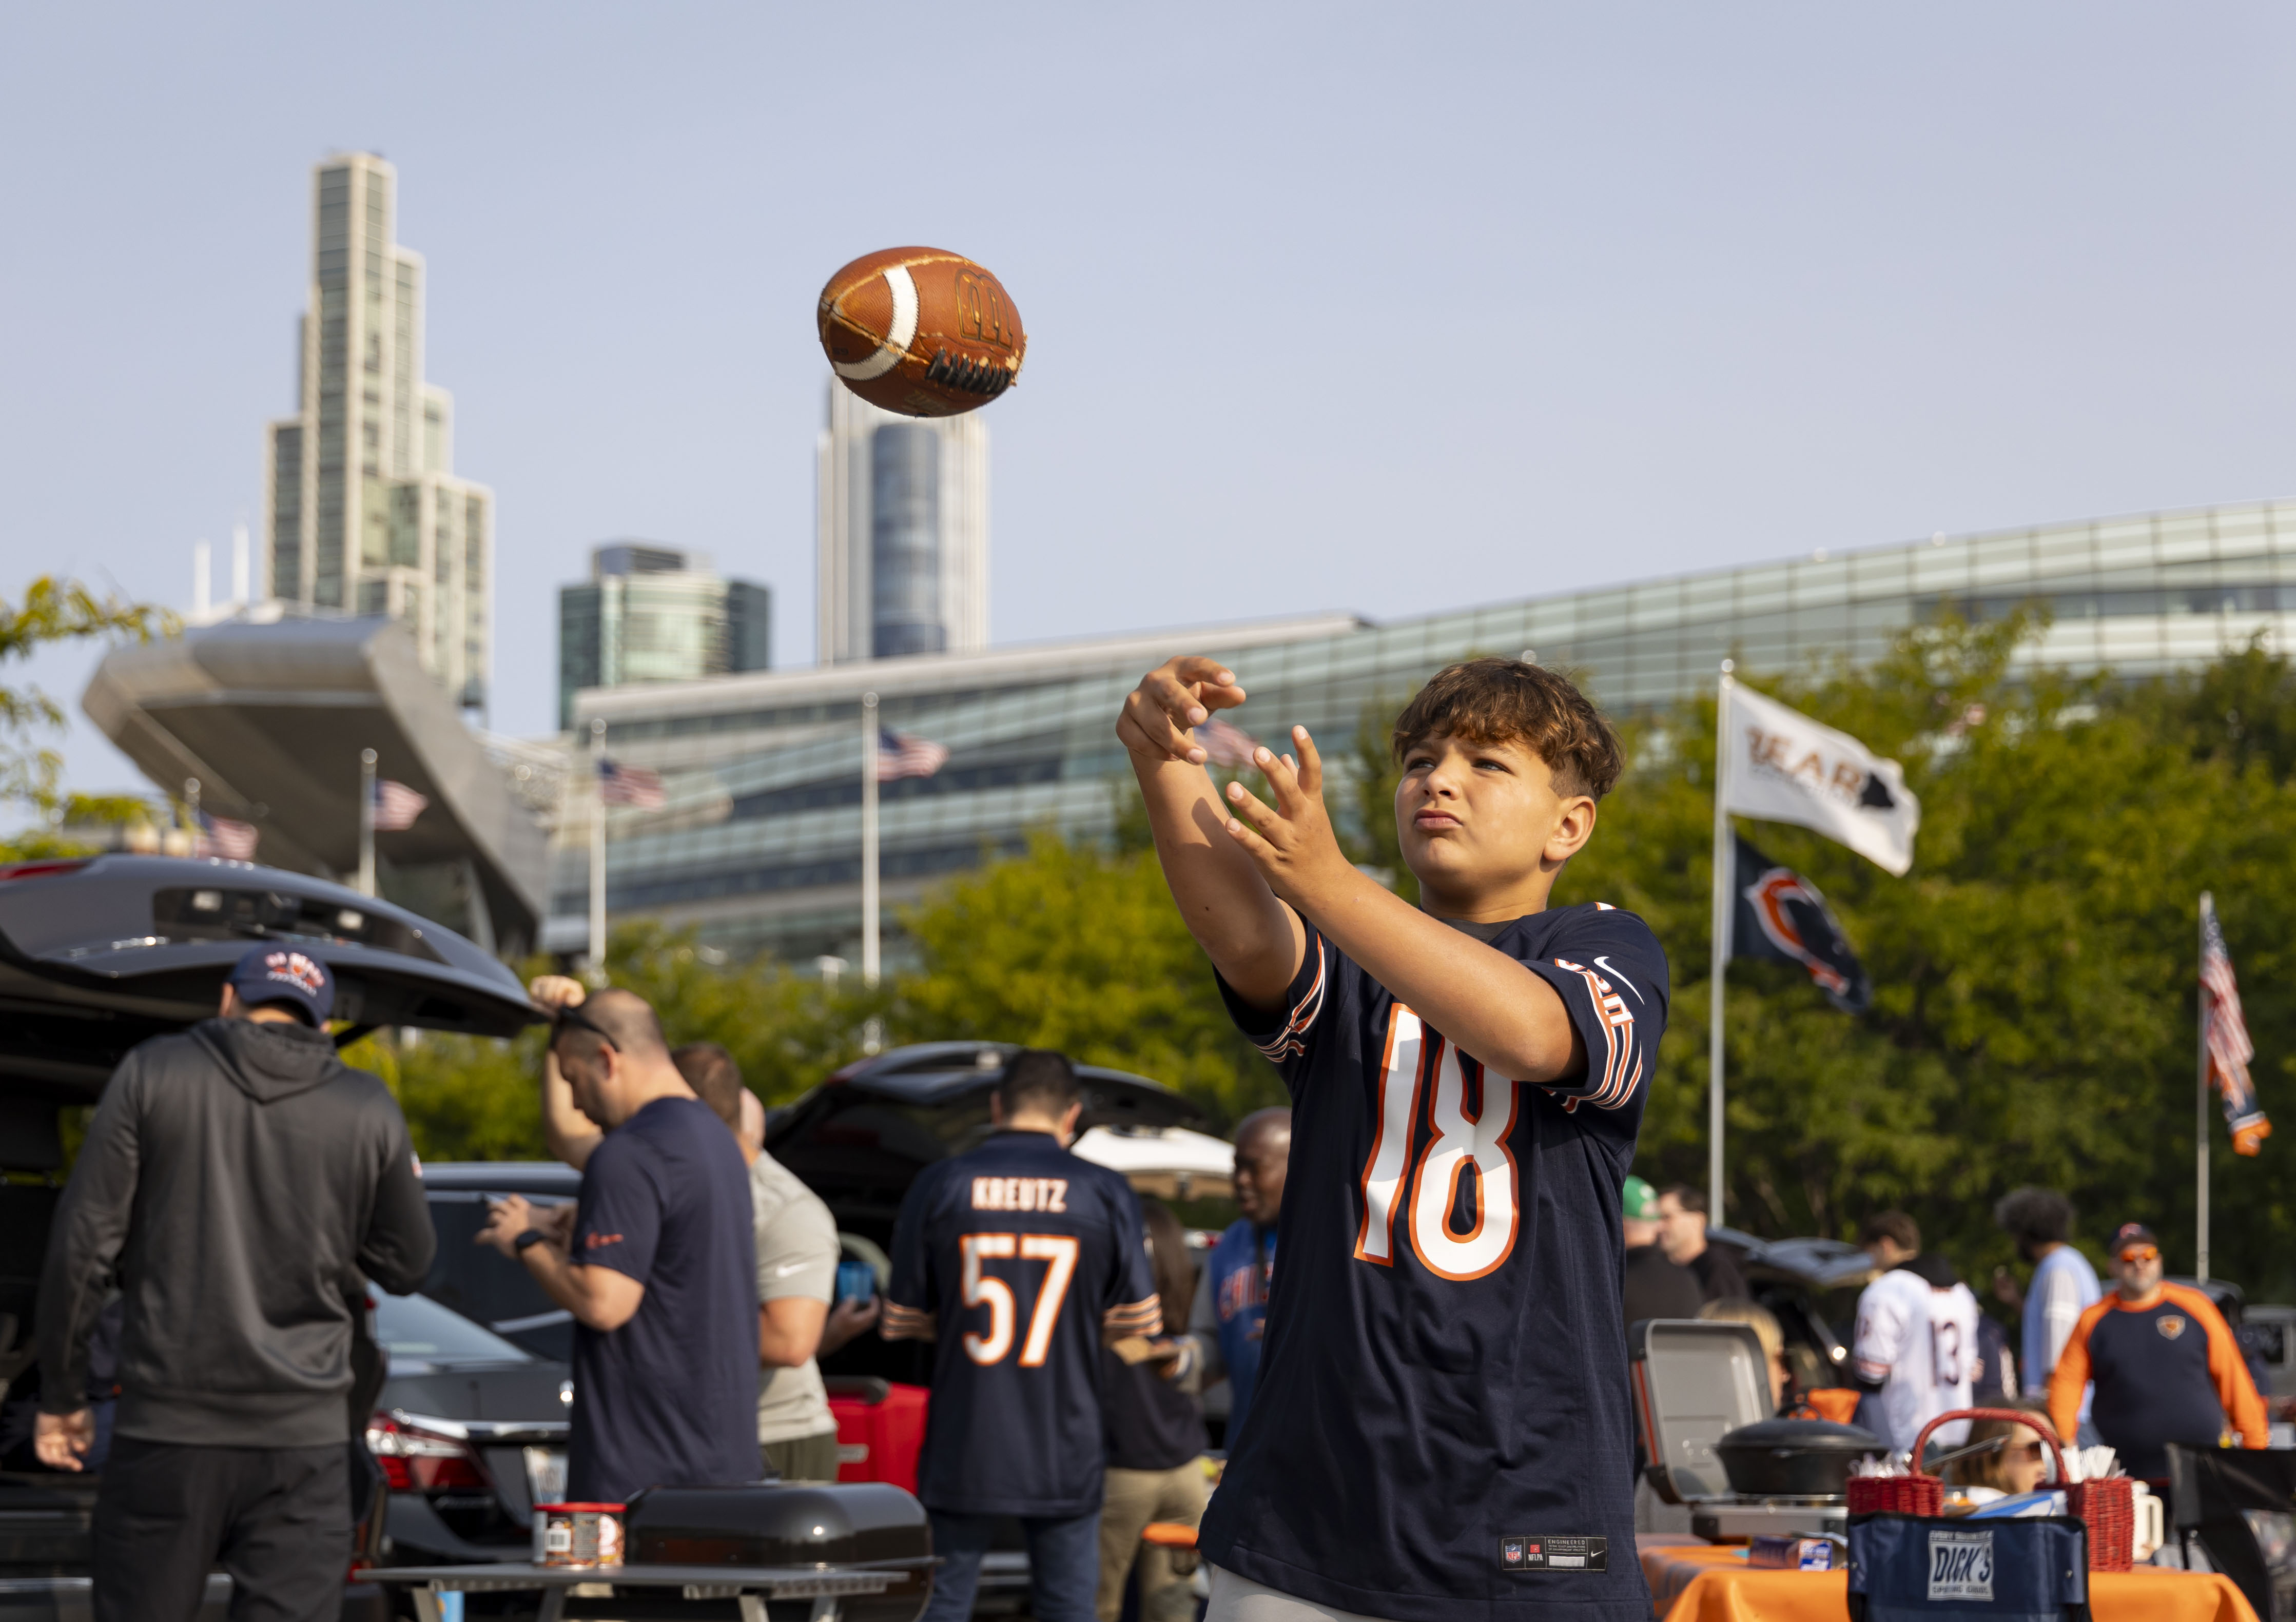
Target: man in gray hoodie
236, 1182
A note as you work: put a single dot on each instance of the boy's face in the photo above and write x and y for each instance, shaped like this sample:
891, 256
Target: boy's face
1482, 822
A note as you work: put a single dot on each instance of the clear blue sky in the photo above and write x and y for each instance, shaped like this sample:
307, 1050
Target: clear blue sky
1373, 308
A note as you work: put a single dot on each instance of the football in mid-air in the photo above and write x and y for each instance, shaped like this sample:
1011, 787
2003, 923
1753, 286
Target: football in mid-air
920, 332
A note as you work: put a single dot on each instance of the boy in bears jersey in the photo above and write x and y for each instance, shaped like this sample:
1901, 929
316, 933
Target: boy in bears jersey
1021, 1260
1440, 1426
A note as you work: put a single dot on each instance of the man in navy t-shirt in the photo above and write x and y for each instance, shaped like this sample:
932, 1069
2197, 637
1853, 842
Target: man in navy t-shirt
657, 1266
1440, 1426
1021, 1261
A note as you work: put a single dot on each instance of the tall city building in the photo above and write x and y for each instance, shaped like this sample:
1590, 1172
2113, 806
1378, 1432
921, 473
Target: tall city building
652, 613
366, 514
902, 518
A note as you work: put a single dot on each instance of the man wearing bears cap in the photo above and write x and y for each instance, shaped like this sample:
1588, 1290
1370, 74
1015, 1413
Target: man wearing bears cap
239, 1183
2165, 1363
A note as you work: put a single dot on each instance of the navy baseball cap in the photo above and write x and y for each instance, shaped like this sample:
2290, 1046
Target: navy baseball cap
282, 974
2132, 1234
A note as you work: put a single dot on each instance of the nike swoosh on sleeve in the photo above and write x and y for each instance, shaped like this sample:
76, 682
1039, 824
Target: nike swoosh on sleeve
783, 1272
1621, 978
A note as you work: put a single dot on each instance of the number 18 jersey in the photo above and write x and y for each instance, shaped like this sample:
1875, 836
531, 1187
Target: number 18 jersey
1016, 1258
1441, 1427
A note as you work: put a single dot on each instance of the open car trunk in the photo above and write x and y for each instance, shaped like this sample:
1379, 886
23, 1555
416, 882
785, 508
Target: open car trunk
96, 956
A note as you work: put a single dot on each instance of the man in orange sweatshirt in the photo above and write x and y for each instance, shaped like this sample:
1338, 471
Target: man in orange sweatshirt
2165, 1363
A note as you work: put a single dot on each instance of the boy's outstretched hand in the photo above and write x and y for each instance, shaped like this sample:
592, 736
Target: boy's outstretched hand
1291, 843
1162, 714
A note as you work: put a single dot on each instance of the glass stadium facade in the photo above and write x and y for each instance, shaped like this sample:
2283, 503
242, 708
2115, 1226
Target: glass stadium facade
760, 844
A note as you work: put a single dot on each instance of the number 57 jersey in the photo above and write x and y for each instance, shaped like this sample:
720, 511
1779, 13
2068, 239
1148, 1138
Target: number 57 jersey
1016, 1259
1441, 1426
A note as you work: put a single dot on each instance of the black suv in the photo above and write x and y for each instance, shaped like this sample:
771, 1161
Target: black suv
99, 954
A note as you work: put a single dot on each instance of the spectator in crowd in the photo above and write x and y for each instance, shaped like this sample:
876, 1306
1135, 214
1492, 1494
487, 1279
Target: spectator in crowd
2019, 1463
664, 1296
795, 1243
2064, 1285
849, 1316
1993, 1374
2165, 1364
1681, 1235
236, 1182
1021, 1261
1155, 1446
1655, 1287
1917, 1337
1229, 1311
1764, 1322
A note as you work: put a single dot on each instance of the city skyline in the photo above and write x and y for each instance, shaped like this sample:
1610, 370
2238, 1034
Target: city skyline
362, 513
1610, 297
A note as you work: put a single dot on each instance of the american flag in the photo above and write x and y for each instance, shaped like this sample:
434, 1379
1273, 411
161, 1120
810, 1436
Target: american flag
396, 805
2223, 1033
899, 755
219, 835
1226, 745
630, 785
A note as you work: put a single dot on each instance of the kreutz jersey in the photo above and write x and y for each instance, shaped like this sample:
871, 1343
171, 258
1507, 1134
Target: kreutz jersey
1441, 1426
1921, 1343
1017, 1258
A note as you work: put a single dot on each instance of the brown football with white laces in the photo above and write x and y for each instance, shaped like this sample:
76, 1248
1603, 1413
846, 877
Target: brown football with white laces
920, 332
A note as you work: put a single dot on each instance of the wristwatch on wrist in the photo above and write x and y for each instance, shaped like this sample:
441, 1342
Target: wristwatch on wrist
528, 1240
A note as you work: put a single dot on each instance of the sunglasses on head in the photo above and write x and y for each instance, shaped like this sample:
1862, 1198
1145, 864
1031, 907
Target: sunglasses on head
568, 1015
2140, 1253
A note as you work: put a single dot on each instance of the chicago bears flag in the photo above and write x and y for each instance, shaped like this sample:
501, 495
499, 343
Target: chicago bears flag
1784, 767
2224, 1034
1780, 916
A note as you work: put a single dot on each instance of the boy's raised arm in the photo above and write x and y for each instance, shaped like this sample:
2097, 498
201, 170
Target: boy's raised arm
1253, 940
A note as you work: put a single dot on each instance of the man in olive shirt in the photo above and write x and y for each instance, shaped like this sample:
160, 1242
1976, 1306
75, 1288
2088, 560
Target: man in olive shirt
797, 1277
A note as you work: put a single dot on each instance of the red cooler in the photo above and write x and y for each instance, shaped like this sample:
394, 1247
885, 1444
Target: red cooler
881, 1427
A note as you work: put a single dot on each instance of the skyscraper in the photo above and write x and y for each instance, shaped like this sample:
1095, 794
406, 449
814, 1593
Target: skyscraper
652, 613
364, 513
902, 520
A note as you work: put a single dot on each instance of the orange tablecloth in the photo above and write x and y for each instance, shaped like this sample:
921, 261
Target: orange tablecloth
1695, 1582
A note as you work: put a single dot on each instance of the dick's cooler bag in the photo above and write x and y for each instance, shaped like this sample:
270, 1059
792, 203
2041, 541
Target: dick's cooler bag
1920, 1567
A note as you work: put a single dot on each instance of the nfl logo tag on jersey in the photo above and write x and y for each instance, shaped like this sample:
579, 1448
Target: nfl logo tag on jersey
1553, 1553
2171, 1325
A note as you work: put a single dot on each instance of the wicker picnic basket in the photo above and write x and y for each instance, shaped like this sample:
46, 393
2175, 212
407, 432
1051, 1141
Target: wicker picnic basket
2108, 1505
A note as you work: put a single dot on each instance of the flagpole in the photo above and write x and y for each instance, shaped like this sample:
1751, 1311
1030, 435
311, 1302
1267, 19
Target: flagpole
366, 822
1723, 867
2201, 1111
869, 839
598, 845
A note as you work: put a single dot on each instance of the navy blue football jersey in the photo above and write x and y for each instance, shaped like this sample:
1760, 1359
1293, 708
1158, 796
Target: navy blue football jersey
1441, 1426
1017, 1258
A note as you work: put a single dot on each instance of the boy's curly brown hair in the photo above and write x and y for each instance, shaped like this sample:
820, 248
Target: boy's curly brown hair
1507, 700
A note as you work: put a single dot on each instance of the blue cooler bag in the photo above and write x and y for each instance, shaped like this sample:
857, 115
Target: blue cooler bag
1916, 1569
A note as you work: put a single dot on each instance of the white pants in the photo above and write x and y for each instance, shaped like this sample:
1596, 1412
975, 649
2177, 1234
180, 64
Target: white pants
1239, 1599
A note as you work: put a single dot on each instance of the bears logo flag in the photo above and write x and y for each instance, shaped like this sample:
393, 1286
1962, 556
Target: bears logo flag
1781, 916
1784, 767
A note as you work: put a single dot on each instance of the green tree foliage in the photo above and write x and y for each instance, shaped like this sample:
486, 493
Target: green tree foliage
54, 611
2033, 972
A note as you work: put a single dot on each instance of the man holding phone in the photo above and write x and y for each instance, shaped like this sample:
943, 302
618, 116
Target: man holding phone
657, 1266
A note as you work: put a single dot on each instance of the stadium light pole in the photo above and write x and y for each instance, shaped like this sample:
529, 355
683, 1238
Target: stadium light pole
869, 839
366, 822
1721, 943
2200, 1114
597, 848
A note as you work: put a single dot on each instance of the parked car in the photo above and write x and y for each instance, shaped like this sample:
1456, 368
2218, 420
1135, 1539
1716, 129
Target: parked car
470, 1431
99, 954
